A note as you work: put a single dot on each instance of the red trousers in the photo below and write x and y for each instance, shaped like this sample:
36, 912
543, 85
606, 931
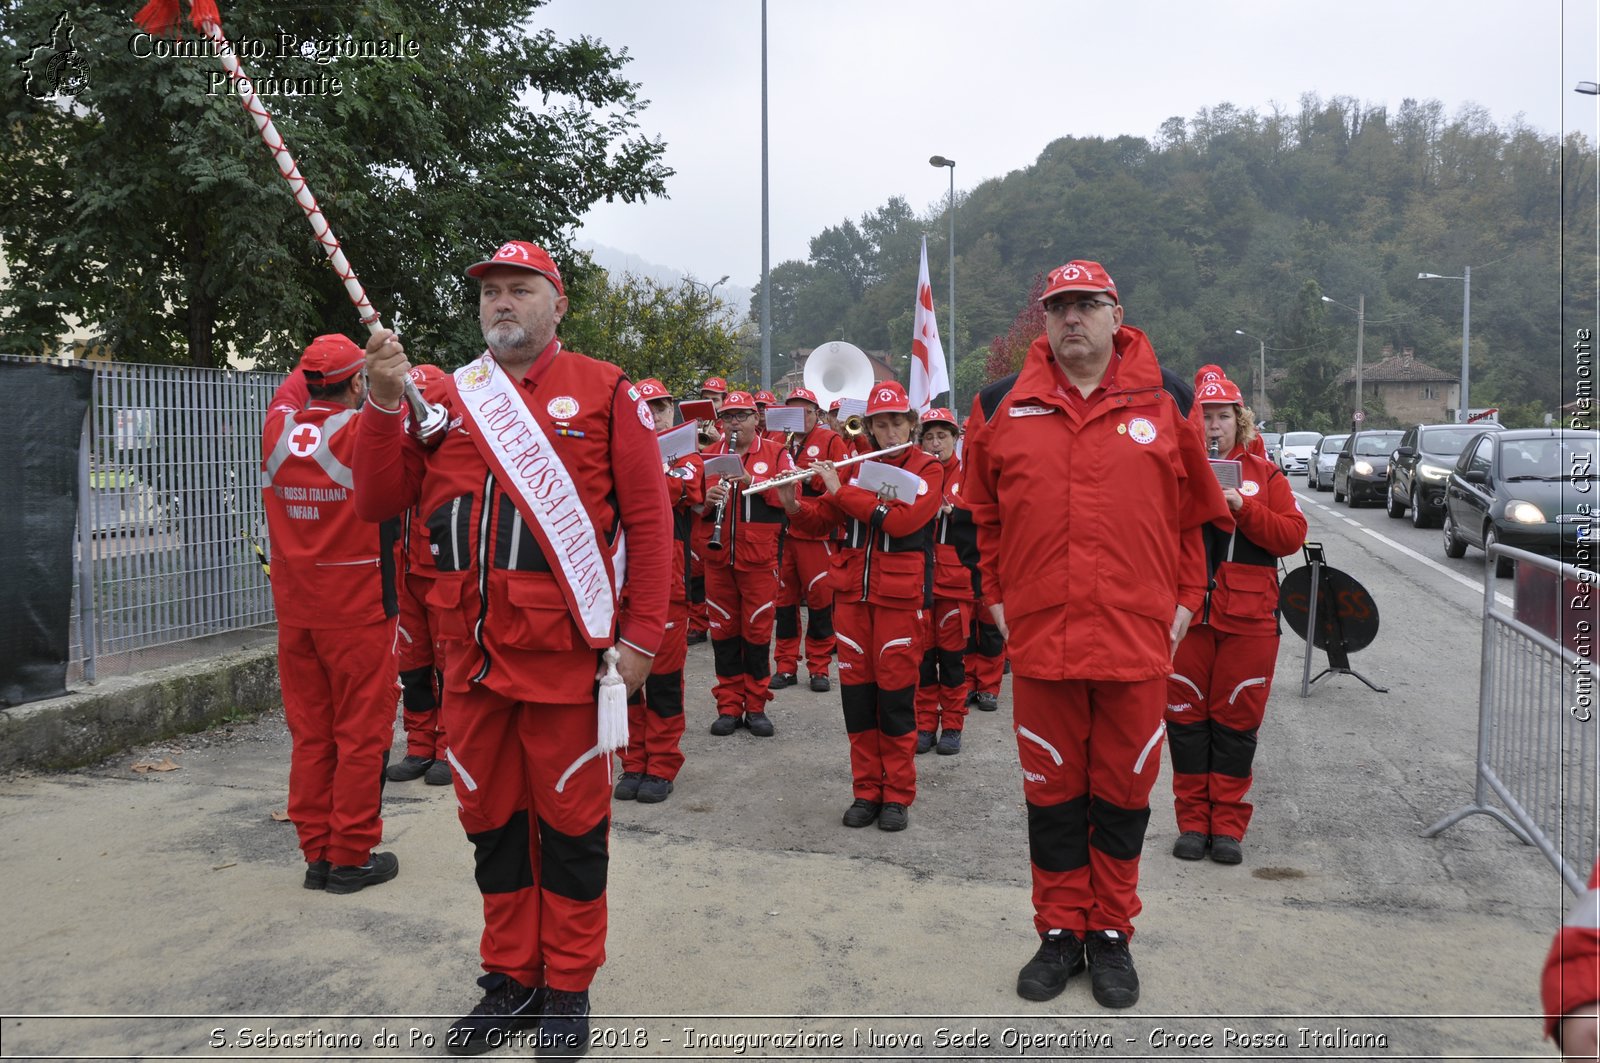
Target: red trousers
880, 651
943, 685
1090, 753
655, 720
536, 804
986, 664
739, 606
1216, 698
339, 687
803, 578
421, 670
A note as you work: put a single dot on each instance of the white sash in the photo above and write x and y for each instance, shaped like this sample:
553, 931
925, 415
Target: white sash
529, 470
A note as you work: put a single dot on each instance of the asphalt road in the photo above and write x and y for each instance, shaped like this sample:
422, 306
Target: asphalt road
165, 911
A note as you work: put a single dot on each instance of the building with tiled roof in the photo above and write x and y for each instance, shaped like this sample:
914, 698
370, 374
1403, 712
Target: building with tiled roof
1408, 390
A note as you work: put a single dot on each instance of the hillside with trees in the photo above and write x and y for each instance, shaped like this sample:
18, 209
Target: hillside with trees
1234, 219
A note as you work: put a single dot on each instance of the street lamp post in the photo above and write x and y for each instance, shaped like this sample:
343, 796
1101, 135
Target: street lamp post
940, 160
1261, 380
766, 238
1464, 411
1360, 310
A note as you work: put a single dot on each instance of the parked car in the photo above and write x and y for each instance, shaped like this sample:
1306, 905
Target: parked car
1320, 474
1297, 451
1528, 488
1273, 443
1361, 471
1420, 466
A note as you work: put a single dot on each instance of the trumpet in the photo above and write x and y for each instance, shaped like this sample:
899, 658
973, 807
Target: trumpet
852, 427
805, 474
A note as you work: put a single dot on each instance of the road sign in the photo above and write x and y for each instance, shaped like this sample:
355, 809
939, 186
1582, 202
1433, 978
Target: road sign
1359, 416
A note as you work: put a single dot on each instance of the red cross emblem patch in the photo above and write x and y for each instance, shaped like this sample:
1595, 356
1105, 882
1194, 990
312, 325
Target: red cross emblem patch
304, 440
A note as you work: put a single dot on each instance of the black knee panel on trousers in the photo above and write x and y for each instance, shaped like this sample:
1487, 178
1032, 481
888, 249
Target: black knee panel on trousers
1190, 746
897, 711
860, 706
728, 656
757, 659
416, 689
1058, 835
786, 622
952, 669
1118, 832
928, 671
697, 589
574, 865
990, 644
501, 854
663, 694
819, 623
1232, 752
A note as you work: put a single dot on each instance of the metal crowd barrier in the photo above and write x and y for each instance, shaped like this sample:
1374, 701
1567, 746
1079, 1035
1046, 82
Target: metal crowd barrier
1537, 709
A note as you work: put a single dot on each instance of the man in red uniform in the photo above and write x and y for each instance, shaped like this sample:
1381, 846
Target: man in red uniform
1571, 982
333, 587
1089, 488
942, 685
742, 569
421, 661
655, 721
806, 559
548, 463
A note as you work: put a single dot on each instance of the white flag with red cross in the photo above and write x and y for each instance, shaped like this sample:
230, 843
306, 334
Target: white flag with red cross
928, 376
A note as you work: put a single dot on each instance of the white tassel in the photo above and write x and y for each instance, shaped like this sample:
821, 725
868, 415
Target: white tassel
613, 705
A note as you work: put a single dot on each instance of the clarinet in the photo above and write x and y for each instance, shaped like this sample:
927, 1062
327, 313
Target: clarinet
715, 542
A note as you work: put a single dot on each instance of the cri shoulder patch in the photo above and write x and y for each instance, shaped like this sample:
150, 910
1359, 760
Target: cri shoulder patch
1140, 430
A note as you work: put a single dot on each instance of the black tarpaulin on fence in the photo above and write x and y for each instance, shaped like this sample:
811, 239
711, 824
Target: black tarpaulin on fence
45, 408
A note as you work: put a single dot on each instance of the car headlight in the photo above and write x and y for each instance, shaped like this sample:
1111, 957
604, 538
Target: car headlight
1433, 472
1524, 512
1362, 468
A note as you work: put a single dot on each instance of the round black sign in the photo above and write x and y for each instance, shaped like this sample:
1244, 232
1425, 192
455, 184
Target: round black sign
1342, 597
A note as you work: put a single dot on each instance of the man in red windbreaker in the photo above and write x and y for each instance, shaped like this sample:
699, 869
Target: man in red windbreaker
548, 464
1089, 488
1571, 981
806, 561
333, 587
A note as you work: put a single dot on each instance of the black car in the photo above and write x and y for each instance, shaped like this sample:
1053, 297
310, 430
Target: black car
1419, 468
1531, 488
1361, 471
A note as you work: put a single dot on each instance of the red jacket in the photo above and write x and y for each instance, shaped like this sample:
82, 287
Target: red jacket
753, 522
509, 628
885, 555
1243, 599
330, 568
951, 578
1089, 519
1572, 970
820, 444
686, 488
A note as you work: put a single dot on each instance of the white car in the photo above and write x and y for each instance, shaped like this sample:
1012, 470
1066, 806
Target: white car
1320, 473
1297, 451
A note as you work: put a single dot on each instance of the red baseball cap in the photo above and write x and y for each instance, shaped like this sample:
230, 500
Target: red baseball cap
1080, 275
738, 400
833, 407
766, 398
519, 254
1219, 392
888, 397
425, 374
1207, 373
652, 390
715, 383
940, 415
332, 358
804, 395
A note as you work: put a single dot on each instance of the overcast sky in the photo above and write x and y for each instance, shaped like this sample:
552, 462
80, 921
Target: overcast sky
862, 92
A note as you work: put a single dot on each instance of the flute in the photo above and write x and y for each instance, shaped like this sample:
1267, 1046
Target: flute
803, 474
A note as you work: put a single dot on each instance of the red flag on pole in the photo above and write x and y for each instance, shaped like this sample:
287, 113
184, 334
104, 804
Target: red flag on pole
928, 376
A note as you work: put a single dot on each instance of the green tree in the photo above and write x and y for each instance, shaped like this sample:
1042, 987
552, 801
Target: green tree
148, 207
679, 335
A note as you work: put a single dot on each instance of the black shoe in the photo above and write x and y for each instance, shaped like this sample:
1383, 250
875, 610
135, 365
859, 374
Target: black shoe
949, 743
724, 724
317, 874
653, 790
438, 773
972, 698
759, 725
893, 816
820, 684
628, 786
985, 701
1060, 956
783, 679
1191, 845
1111, 974
564, 1029
408, 769
861, 813
1226, 850
695, 637
507, 1006
380, 867
924, 742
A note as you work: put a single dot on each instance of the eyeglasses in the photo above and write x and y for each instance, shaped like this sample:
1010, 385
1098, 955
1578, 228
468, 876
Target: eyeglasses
1084, 307
737, 415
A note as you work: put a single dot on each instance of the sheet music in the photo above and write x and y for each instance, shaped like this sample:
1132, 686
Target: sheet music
681, 440
786, 419
874, 476
726, 465
1229, 473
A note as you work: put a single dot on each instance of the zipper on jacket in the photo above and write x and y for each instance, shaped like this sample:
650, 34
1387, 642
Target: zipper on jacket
346, 564
483, 573
866, 567
455, 532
